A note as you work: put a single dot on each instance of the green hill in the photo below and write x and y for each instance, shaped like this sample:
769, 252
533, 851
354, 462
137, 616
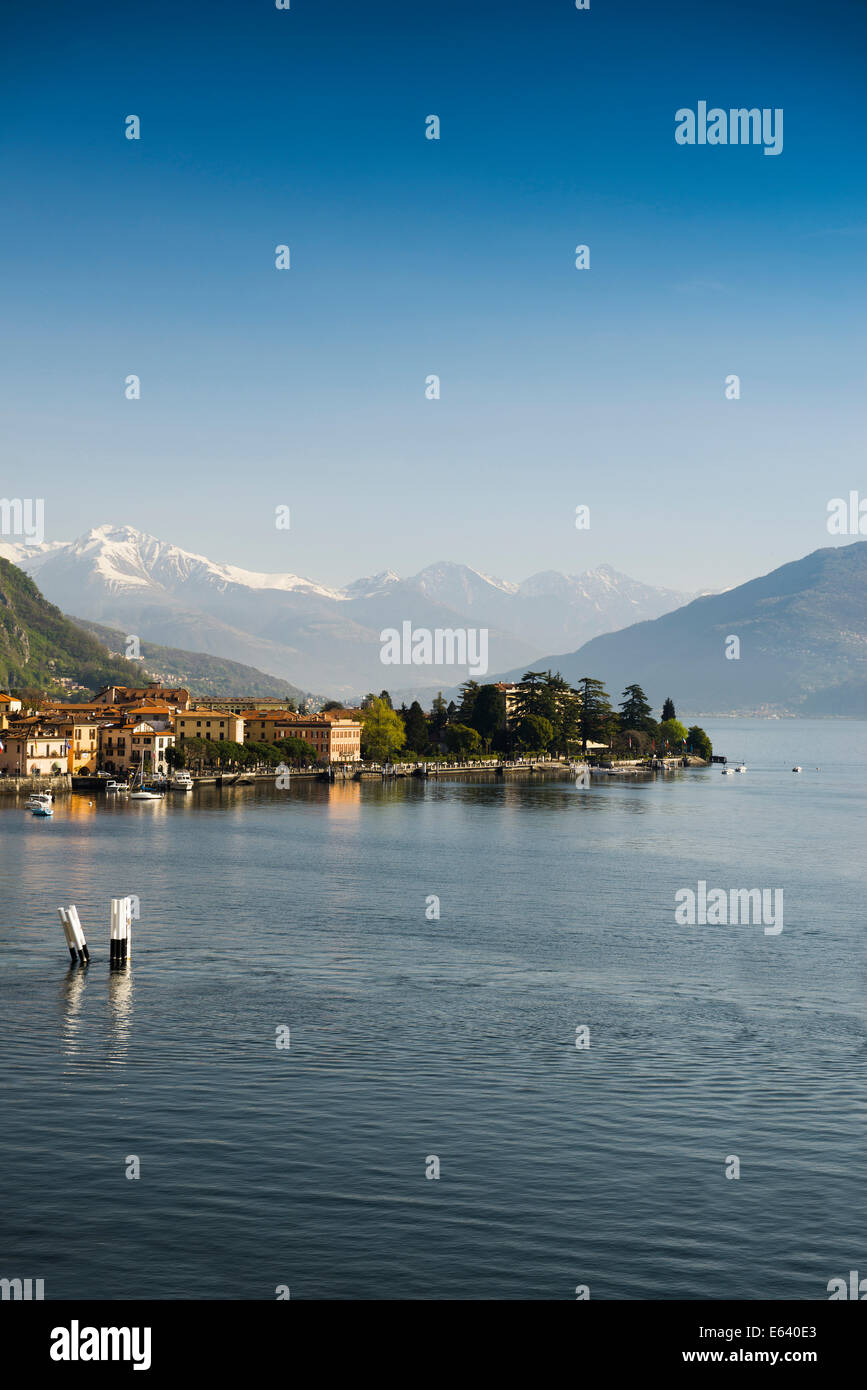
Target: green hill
196, 671
43, 649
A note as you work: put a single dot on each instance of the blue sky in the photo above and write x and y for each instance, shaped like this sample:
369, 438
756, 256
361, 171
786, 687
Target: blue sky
454, 257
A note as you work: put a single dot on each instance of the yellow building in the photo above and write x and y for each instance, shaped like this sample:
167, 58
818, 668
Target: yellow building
34, 751
135, 743
209, 723
336, 738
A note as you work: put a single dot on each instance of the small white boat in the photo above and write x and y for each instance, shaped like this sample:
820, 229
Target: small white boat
40, 804
741, 767
797, 769
727, 771
181, 781
140, 792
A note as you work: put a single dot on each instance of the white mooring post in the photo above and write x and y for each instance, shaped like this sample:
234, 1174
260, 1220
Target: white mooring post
74, 935
121, 931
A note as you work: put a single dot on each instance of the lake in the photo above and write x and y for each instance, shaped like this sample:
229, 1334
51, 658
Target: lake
414, 1038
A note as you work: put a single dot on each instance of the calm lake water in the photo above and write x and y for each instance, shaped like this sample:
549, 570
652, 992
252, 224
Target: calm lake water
456, 1038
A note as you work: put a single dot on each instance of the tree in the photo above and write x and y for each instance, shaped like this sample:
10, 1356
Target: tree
469, 694
297, 750
635, 710
461, 739
535, 731
596, 712
175, 756
416, 728
698, 742
489, 712
382, 732
386, 698
331, 704
451, 712
439, 716
668, 710
672, 732
533, 695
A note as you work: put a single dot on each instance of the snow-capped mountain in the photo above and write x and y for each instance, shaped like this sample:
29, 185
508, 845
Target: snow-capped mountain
322, 638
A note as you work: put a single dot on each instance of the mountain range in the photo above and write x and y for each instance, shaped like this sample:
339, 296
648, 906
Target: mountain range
322, 638
801, 644
41, 648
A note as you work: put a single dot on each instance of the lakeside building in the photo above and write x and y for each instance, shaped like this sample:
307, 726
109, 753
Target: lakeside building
35, 746
208, 723
336, 738
176, 696
133, 744
34, 752
242, 704
126, 727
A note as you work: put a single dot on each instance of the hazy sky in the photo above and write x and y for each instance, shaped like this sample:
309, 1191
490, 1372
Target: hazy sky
410, 256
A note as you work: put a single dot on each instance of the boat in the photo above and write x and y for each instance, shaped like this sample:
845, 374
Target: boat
37, 799
741, 767
142, 793
727, 771
181, 781
797, 769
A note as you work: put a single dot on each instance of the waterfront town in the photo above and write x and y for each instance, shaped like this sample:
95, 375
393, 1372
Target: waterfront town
125, 728
155, 729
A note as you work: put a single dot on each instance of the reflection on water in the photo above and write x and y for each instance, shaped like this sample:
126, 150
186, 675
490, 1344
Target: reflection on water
120, 1004
72, 998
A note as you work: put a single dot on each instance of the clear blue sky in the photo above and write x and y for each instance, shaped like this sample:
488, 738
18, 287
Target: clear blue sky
454, 257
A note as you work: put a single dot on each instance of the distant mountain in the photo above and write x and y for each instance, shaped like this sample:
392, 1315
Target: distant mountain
803, 644
317, 637
200, 674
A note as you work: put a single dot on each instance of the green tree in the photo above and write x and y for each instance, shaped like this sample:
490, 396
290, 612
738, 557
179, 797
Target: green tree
698, 742
489, 712
439, 717
668, 710
469, 694
534, 732
672, 733
635, 710
382, 732
297, 750
461, 739
596, 713
416, 728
